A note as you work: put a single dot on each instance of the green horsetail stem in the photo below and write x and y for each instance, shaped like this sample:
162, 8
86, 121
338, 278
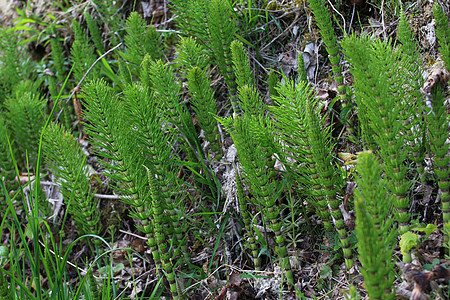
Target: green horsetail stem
162, 225
438, 135
376, 237
247, 222
321, 150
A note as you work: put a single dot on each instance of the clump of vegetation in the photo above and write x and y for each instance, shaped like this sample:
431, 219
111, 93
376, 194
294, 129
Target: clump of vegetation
186, 155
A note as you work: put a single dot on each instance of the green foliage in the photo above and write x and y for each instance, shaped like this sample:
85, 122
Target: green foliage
140, 41
58, 57
14, 63
165, 203
438, 120
376, 238
301, 68
244, 76
443, 34
142, 133
381, 100
167, 89
25, 113
324, 21
321, 148
251, 101
205, 107
212, 23
130, 145
66, 161
125, 72
272, 82
7, 170
191, 54
191, 16
297, 155
161, 230
246, 218
222, 30
5, 292
94, 32
414, 128
112, 139
82, 54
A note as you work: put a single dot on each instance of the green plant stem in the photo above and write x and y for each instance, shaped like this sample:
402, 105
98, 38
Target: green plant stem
247, 222
437, 133
376, 238
321, 149
160, 230
324, 21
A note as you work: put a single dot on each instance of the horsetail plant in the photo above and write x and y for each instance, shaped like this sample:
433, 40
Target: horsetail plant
243, 201
443, 34
376, 237
94, 32
191, 54
296, 155
14, 62
255, 144
155, 147
321, 148
381, 98
438, 123
114, 141
82, 54
211, 22
414, 127
54, 80
324, 22
205, 107
25, 113
140, 40
164, 200
221, 33
191, 16
244, 76
166, 89
66, 161
160, 233
57, 56
272, 82
7, 171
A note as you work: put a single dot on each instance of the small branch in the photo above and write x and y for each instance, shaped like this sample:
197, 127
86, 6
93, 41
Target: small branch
133, 234
111, 197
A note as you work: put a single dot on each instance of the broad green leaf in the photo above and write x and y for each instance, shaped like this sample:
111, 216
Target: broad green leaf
407, 241
429, 229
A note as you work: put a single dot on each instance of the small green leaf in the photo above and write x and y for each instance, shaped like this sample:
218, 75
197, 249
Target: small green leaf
4, 252
326, 272
407, 241
118, 267
103, 270
428, 230
29, 231
262, 251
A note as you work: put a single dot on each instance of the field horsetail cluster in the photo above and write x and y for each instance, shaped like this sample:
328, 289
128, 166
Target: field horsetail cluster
217, 149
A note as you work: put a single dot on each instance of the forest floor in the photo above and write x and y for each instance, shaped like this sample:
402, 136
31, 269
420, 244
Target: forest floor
319, 267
